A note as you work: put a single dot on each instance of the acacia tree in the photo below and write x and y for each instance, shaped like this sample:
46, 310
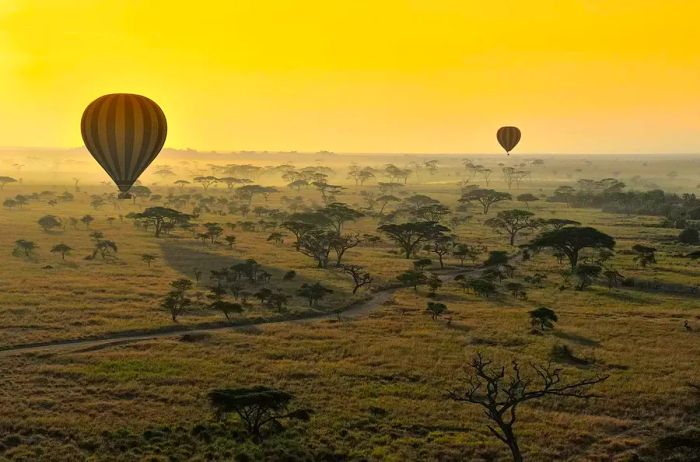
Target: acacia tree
527, 198
227, 308
436, 309
148, 258
571, 240
543, 317
359, 276
317, 244
299, 229
586, 274
49, 222
205, 181
258, 407
385, 199
644, 255
613, 277
339, 213
500, 394
313, 292
6, 180
409, 236
182, 183
249, 191
341, 243
162, 218
63, 249
485, 197
558, 223
139, 191
87, 219
176, 301
466, 251
105, 248
24, 247
511, 222
441, 246
412, 278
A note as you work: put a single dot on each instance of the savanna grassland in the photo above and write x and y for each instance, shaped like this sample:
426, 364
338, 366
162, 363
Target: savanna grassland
376, 383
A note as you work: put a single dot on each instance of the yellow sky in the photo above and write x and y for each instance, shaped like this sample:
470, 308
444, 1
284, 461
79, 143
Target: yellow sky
361, 75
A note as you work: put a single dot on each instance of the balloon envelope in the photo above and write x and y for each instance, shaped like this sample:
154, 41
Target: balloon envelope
508, 137
124, 133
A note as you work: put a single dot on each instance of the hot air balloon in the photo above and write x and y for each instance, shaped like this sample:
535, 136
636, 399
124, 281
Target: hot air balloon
124, 133
508, 137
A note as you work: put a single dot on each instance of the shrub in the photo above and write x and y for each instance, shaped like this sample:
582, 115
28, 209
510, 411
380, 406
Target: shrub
689, 236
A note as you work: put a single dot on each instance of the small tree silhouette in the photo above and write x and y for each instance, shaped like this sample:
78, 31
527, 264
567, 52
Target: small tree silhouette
227, 308
313, 292
148, 258
359, 276
543, 317
500, 394
258, 408
436, 309
63, 249
176, 301
24, 247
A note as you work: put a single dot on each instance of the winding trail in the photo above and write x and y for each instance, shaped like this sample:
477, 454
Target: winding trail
357, 310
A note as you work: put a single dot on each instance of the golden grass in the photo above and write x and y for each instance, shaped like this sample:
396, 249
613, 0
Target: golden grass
377, 384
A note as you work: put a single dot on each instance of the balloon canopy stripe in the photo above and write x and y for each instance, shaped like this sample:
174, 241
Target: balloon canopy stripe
508, 137
124, 133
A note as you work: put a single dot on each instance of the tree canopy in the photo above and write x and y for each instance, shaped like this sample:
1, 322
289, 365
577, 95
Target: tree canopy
571, 240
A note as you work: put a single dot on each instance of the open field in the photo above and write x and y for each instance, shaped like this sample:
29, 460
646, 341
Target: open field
377, 383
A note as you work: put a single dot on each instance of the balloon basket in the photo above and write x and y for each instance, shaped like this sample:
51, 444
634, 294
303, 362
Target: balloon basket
124, 195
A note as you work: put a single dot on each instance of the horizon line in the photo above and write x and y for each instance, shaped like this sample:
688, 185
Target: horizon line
413, 153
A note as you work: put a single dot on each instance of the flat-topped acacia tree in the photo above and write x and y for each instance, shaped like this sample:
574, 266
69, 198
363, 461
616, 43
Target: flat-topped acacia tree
6, 180
571, 240
485, 197
409, 236
161, 218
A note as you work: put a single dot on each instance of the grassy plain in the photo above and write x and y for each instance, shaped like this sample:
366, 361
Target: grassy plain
377, 384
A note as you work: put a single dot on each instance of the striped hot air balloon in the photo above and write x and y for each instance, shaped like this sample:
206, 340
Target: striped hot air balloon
508, 138
124, 133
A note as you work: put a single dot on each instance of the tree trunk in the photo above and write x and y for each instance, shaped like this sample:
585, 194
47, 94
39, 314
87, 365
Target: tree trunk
513, 445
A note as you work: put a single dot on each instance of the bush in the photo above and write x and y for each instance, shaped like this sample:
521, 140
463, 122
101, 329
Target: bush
689, 236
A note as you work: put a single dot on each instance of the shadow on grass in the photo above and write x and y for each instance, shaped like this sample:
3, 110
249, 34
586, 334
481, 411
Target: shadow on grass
185, 258
629, 297
576, 338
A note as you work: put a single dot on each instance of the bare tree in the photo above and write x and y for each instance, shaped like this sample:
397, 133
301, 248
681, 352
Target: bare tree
499, 394
359, 276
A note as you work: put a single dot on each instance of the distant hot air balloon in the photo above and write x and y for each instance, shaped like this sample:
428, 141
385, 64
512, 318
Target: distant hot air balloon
124, 133
508, 137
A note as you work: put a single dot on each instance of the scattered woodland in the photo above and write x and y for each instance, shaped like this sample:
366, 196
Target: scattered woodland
332, 307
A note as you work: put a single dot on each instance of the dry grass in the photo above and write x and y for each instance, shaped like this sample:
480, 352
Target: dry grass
377, 384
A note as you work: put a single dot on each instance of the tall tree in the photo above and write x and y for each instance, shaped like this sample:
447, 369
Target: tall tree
500, 394
571, 240
162, 218
511, 222
485, 197
339, 213
409, 236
